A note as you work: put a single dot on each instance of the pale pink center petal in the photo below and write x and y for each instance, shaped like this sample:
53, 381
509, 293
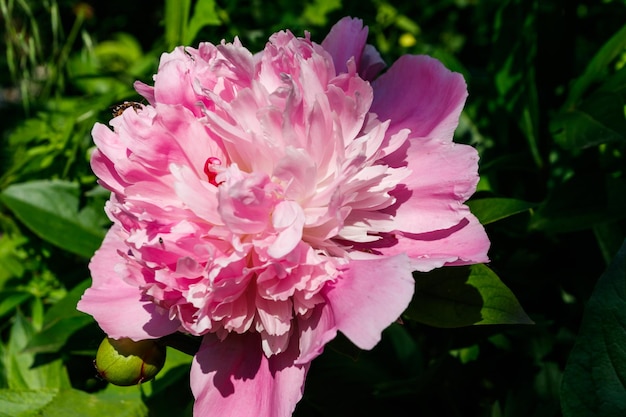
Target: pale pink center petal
288, 221
245, 200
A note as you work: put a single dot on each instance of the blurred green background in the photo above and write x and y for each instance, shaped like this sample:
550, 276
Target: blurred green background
546, 112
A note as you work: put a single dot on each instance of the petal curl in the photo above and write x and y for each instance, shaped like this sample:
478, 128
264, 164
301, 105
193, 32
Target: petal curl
120, 308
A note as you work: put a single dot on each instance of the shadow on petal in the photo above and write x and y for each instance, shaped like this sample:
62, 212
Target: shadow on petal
437, 234
232, 377
159, 324
238, 357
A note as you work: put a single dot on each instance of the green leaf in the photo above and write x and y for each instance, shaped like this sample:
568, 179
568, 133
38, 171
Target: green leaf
24, 403
51, 210
12, 257
592, 118
594, 382
405, 348
515, 46
316, 12
10, 299
464, 296
113, 401
104, 70
489, 210
71, 402
597, 67
119, 53
21, 369
582, 202
204, 14
54, 338
599, 119
62, 320
609, 236
170, 394
176, 21
175, 371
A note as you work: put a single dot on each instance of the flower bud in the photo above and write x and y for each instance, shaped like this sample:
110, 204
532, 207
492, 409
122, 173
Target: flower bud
126, 362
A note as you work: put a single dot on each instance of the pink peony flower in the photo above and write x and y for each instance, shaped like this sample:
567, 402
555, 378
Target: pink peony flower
266, 201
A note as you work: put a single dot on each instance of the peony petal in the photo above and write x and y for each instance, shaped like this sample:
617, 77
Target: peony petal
370, 296
288, 219
420, 94
346, 40
119, 308
108, 149
232, 378
298, 171
315, 331
199, 196
444, 175
371, 63
174, 80
121, 311
146, 91
245, 200
463, 244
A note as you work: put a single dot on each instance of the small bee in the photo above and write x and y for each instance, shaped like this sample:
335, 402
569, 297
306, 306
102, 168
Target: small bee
118, 109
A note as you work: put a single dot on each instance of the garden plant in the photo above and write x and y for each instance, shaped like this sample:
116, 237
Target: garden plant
318, 208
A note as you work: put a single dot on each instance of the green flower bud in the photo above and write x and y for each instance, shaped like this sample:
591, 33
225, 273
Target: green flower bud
125, 362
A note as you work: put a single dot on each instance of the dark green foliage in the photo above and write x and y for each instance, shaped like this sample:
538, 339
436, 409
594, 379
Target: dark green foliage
593, 383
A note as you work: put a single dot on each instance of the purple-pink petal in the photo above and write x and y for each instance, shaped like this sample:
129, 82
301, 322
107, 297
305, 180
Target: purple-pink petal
371, 63
346, 41
418, 93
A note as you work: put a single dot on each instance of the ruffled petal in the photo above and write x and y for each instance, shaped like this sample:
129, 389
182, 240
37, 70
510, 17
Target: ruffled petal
120, 308
245, 200
370, 296
444, 175
232, 378
175, 71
